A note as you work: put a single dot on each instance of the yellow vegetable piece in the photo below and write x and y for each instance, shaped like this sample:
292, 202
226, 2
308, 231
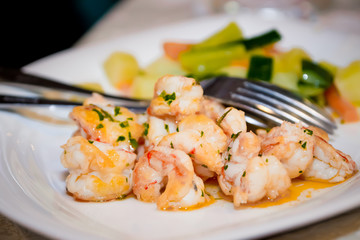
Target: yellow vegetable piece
163, 66
234, 71
143, 86
290, 61
121, 68
287, 80
329, 66
347, 81
229, 33
91, 86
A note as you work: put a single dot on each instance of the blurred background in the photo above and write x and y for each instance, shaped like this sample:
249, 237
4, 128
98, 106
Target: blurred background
33, 29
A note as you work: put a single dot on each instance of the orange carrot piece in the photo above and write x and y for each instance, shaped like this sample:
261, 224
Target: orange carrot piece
241, 63
271, 50
342, 106
173, 49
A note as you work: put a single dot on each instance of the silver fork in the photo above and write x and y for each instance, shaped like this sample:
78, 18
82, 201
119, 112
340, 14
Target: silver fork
265, 105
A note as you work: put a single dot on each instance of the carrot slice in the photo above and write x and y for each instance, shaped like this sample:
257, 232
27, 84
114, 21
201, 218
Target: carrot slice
342, 106
173, 49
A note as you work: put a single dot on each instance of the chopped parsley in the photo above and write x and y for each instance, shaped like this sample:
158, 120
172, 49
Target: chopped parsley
117, 111
267, 160
124, 124
146, 130
171, 145
234, 136
244, 173
177, 129
99, 126
201, 133
101, 116
120, 139
303, 144
218, 122
204, 165
300, 171
107, 115
130, 119
166, 127
134, 144
226, 167
91, 142
122, 197
229, 157
309, 132
169, 98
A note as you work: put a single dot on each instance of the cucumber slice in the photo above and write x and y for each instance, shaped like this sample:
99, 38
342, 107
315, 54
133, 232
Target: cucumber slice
315, 75
260, 68
228, 34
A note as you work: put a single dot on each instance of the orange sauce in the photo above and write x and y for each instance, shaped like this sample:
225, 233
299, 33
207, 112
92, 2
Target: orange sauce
210, 201
299, 190
299, 187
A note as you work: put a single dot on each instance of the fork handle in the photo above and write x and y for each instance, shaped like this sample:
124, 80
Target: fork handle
10, 102
16, 76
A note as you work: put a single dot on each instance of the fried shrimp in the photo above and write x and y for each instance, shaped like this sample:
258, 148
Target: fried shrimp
176, 97
98, 171
249, 177
330, 164
163, 167
106, 123
232, 121
200, 137
292, 145
165, 154
158, 128
211, 108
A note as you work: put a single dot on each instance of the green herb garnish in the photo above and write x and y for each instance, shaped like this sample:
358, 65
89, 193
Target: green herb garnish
120, 139
117, 111
169, 98
218, 122
146, 130
124, 124
309, 132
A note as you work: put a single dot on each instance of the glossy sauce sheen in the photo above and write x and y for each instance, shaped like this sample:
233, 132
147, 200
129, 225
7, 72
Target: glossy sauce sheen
298, 188
303, 188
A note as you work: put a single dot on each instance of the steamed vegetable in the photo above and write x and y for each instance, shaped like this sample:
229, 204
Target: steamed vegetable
347, 111
121, 68
347, 81
228, 52
260, 68
204, 62
228, 34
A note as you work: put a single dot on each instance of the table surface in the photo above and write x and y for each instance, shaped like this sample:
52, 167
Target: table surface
342, 15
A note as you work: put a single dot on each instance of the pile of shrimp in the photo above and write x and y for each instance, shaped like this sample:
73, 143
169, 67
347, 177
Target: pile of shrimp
165, 155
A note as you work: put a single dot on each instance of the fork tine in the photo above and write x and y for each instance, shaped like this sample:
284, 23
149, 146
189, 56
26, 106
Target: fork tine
274, 110
272, 103
292, 99
277, 105
253, 115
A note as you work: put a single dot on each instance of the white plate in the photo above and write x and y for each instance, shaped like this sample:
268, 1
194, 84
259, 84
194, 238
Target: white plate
32, 178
